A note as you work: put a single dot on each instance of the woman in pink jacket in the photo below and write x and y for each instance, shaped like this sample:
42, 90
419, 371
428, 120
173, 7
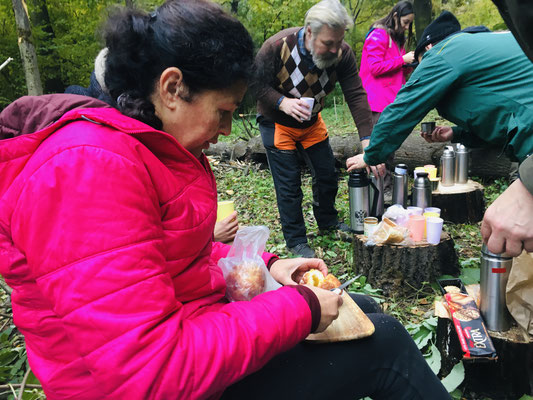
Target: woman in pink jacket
106, 227
384, 61
384, 58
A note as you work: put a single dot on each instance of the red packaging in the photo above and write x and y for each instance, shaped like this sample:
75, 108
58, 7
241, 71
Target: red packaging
473, 336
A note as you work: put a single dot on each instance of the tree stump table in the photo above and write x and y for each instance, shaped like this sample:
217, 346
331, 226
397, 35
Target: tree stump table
508, 377
460, 203
401, 270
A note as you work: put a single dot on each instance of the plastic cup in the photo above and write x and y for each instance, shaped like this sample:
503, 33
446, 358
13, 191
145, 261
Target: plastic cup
310, 101
432, 171
432, 210
413, 210
434, 229
224, 208
416, 226
417, 170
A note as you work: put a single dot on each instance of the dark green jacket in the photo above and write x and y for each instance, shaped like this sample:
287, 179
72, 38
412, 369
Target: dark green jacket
482, 82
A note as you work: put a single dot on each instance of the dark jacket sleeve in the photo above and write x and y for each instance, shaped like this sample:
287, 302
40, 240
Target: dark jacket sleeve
354, 93
518, 16
526, 173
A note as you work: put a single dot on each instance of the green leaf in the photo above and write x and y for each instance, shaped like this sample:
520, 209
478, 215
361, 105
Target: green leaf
433, 359
470, 276
455, 377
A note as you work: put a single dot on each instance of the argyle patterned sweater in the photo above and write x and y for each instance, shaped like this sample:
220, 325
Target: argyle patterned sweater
284, 71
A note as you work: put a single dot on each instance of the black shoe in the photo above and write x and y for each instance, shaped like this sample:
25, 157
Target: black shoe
341, 227
303, 250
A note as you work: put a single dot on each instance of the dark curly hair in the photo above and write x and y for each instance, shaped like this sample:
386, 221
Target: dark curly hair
212, 49
392, 24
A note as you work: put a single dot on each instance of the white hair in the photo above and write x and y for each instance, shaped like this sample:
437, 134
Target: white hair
99, 68
327, 12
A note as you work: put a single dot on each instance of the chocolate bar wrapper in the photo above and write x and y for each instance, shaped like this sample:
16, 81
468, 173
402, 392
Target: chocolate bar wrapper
473, 336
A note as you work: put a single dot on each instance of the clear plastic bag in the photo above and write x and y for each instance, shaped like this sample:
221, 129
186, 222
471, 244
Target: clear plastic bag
390, 233
244, 270
398, 214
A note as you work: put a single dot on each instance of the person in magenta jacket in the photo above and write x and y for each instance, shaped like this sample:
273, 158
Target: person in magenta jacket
106, 228
384, 62
384, 57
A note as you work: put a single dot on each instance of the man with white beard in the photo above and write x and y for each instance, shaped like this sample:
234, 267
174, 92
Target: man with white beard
293, 64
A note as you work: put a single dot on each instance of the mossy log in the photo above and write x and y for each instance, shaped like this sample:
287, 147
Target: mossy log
401, 270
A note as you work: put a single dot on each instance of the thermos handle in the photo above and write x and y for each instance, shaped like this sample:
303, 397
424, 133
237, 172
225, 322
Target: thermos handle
375, 199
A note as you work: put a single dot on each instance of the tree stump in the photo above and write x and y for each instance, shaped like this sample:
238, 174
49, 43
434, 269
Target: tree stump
460, 203
508, 377
401, 270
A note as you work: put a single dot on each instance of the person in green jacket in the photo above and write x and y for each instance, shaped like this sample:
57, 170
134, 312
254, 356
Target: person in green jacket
480, 81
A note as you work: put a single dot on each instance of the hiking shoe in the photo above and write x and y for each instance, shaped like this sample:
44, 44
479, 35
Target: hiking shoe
303, 250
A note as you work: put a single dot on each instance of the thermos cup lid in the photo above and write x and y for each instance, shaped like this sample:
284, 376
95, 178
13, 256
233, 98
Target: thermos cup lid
461, 148
358, 178
448, 153
401, 169
486, 251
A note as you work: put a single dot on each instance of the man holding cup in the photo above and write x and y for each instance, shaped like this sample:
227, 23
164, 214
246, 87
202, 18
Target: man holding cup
297, 68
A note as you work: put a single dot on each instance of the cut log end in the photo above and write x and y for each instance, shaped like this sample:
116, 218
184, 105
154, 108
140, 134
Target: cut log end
460, 203
401, 270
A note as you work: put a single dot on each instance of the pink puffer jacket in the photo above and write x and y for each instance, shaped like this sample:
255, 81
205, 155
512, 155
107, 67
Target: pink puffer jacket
105, 238
381, 69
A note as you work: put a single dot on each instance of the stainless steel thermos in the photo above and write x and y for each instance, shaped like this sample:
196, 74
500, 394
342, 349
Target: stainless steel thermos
377, 192
359, 197
495, 269
461, 164
399, 185
421, 194
447, 166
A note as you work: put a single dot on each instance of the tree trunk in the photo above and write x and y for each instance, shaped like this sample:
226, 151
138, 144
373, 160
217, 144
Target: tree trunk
27, 49
509, 377
51, 71
423, 11
402, 270
234, 7
460, 203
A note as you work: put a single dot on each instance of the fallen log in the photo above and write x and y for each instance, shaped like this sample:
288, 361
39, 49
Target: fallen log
489, 163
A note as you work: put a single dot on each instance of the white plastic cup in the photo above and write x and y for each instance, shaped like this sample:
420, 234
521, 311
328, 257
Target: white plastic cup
310, 101
413, 210
432, 209
434, 229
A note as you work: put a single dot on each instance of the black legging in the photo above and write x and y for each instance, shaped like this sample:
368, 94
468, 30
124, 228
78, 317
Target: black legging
386, 365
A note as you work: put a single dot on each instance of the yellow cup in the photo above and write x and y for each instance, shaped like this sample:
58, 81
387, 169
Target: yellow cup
426, 215
224, 209
432, 172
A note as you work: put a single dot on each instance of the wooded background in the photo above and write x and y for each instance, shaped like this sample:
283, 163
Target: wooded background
63, 34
